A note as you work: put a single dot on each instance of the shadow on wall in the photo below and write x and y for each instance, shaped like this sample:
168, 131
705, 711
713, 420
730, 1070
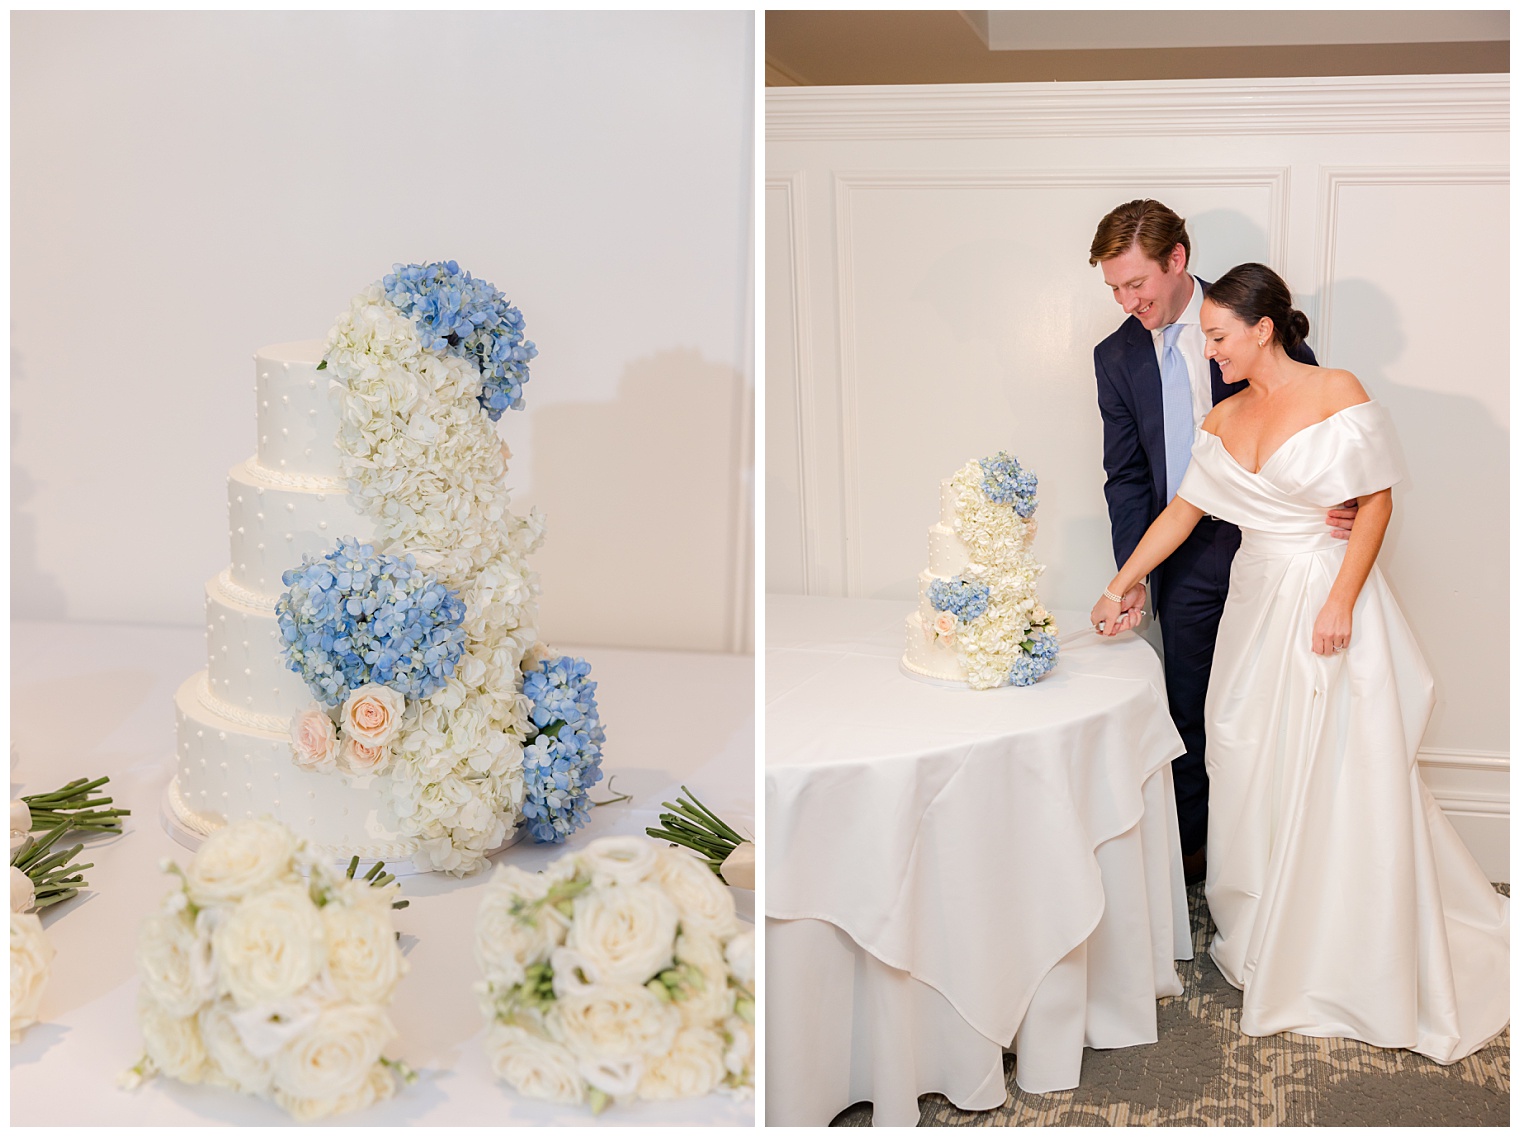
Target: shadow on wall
1456, 548
34, 594
646, 534
1224, 238
1457, 453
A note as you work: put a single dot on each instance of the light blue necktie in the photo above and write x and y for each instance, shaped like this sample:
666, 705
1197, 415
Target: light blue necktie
1176, 409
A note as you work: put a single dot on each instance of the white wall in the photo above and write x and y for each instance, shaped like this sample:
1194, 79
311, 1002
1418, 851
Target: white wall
929, 300
187, 187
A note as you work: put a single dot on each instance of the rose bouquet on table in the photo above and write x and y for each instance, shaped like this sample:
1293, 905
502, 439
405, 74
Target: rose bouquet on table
698, 828
620, 972
42, 875
268, 972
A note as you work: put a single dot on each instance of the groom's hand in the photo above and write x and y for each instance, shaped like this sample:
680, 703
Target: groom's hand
1133, 608
1131, 611
1341, 519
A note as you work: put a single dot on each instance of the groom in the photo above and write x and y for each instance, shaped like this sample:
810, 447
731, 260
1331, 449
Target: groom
1154, 389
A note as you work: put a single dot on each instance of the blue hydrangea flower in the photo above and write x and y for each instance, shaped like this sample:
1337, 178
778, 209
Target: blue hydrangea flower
1043, 645
563, 758
458, 315
1007, 483
1036, 658
351, 618
966, 599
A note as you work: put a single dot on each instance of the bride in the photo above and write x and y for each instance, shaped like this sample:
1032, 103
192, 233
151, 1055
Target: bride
1346, 904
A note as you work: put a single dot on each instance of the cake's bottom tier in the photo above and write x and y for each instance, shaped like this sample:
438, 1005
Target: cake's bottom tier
225, 771
926, 655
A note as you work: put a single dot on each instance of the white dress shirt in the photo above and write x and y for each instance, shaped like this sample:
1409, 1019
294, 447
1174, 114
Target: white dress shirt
1190, 343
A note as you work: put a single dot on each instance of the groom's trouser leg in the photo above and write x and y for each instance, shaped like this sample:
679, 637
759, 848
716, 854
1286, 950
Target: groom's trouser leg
1195, 580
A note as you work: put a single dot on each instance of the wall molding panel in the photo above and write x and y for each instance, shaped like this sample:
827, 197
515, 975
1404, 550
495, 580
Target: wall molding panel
1350, 105
1334, 179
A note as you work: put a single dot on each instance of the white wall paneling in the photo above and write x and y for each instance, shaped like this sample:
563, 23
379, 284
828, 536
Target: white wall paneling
188, 186
938, 306
789, 534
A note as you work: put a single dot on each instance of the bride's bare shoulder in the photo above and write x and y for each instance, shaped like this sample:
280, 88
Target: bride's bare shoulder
1339, 389
1219, 415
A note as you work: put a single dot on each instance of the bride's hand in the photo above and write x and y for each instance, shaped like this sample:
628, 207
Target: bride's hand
1106, 612
1332, 629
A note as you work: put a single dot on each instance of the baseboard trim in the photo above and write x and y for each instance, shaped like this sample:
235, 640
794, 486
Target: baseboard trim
1472, 789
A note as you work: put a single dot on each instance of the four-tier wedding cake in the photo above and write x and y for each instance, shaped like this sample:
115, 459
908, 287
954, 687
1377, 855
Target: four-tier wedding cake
373, 679
979, 619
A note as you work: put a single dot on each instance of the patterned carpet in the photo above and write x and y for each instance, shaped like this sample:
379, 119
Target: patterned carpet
1203, 1071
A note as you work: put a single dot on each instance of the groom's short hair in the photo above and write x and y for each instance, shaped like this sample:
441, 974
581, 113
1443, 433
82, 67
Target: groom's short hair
1149, 224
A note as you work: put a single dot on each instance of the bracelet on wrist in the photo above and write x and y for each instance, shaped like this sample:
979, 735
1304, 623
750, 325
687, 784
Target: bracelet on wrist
1116, 599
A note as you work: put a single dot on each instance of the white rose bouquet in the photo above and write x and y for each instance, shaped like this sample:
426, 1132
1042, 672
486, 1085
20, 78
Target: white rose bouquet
620, 972
42, 876
31, 966
268, 972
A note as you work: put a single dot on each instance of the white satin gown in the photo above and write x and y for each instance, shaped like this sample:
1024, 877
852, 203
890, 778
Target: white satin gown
1346, 904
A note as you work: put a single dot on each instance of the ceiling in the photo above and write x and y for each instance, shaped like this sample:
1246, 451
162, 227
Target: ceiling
834, 48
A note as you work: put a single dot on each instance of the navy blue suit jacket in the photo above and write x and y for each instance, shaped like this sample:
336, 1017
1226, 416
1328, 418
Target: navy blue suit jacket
1134, 434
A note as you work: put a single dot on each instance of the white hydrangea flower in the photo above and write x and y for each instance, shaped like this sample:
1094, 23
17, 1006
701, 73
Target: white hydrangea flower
427, 466
998, 543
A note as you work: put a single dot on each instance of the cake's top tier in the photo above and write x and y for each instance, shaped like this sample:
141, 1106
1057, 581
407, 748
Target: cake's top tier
297, 418
947, 499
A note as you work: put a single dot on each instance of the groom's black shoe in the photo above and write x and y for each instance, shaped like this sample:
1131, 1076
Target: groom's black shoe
1195, 865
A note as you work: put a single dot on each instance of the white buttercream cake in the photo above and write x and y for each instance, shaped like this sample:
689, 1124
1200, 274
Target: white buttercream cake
979, 619
929, 654
287, 502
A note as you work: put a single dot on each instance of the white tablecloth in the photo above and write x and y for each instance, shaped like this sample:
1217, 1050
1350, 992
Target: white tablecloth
99, 699
950, 872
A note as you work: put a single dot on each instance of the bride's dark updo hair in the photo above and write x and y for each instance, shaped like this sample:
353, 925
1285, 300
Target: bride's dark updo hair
1252, 291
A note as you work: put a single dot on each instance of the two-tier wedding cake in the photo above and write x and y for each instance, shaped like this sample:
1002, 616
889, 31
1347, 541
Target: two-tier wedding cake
373, 678
979, 619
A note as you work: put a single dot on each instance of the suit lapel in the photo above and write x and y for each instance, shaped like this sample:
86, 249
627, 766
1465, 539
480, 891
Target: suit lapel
1145, 383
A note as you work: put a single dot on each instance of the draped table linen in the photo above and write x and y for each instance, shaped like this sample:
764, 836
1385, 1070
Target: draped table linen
951, 872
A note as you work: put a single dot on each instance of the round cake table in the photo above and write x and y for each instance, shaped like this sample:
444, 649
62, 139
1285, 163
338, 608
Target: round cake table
951, 873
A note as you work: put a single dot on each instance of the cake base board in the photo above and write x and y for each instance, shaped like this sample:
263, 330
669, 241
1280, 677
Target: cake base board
192, 838
933, 680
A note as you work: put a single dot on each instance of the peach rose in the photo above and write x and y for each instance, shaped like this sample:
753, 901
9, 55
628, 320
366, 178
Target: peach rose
314, 740
372, 714
356, 757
